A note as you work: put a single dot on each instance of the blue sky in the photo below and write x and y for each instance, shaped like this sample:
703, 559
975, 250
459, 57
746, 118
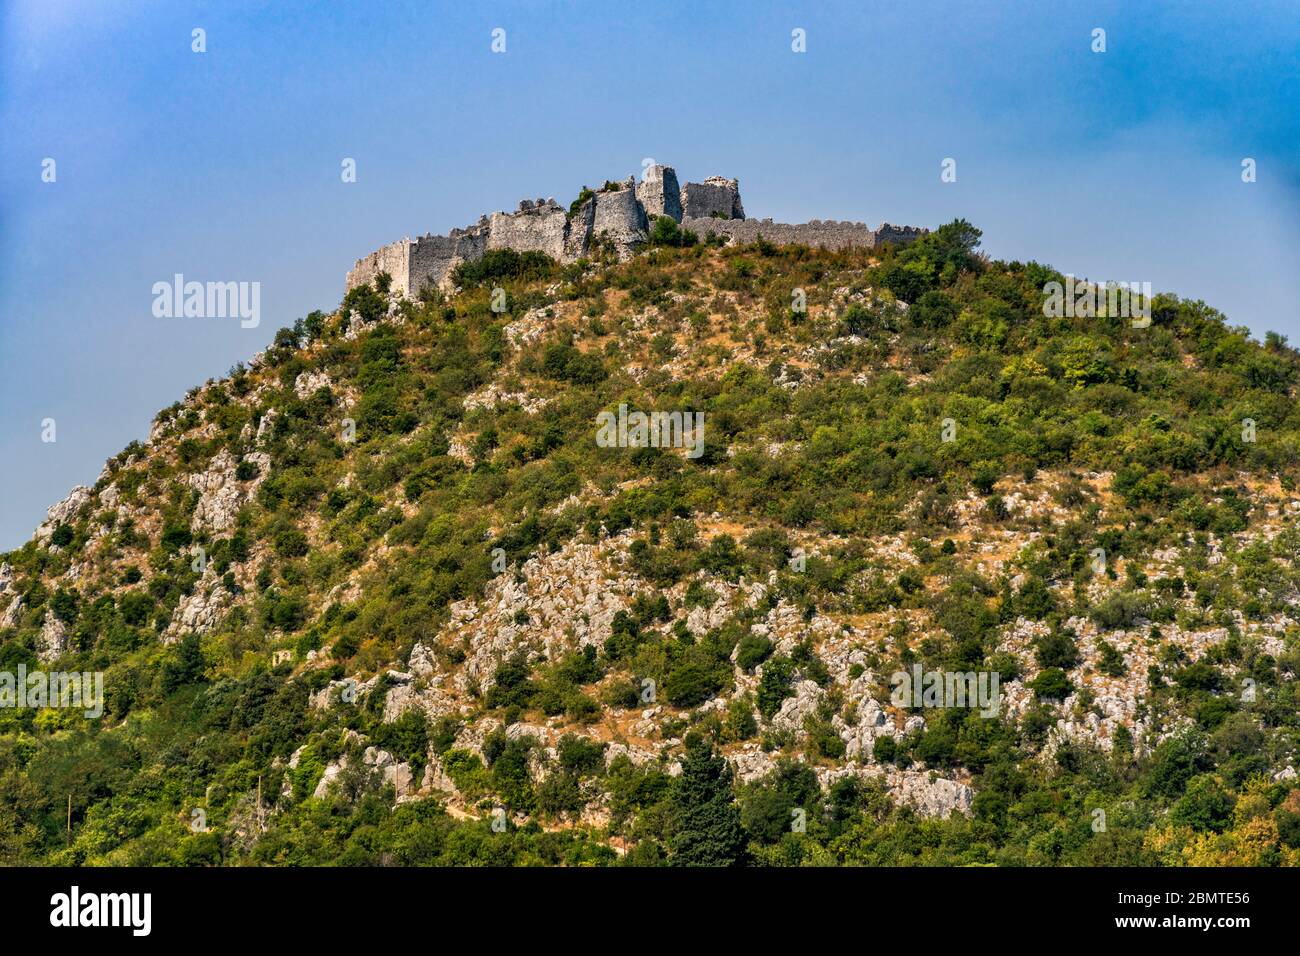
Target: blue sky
226, 165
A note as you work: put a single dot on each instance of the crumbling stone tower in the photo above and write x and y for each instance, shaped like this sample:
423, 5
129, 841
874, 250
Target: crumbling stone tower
715, 198
659, 193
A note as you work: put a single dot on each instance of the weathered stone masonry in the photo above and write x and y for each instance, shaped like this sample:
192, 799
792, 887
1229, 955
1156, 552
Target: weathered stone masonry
827, 233
620, 215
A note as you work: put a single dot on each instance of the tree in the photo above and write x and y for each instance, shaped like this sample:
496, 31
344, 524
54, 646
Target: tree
186, 668
1051, 684
666, 232
1034, 600
950, 248
365, 301
775, 685
583, 196
694, 680
1204, 806
708, 821
64, 604
1057, 649
1175, 761
500, 264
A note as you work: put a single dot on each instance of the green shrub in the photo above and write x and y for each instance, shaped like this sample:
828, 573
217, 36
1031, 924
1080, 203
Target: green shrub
775, 685
499, 265
1051, 684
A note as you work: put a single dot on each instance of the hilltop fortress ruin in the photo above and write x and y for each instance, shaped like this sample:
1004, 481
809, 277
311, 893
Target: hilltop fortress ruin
619, 214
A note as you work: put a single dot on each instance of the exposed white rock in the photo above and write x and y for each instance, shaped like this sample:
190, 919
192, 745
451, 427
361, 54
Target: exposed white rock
638, 756
491, 395
428, 694
331, 774
570, 598
221, 493
752, 763
339, 691
332, 694
62, 513
308, 384
930, 795
53, 639
264, 426
436, 777
356, 325
799, 707
529, 327
517, 731
458, 448
860, 737
381, 766
390, 772
199, 611
927, 793
12, 613
421, 663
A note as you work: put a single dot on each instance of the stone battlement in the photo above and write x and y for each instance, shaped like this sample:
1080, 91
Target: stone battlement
620, 215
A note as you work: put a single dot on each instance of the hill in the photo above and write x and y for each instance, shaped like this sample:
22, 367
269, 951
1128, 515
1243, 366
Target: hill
385, 595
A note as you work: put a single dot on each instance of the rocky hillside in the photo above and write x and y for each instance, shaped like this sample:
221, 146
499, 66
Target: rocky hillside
382, 596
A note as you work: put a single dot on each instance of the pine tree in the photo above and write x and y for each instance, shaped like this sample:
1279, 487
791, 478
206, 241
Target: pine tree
708, 821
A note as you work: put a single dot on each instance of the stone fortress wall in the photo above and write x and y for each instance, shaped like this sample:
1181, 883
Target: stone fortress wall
827, 233
620, 215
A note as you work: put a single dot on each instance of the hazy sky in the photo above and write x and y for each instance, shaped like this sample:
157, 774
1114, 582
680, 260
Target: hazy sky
225, 165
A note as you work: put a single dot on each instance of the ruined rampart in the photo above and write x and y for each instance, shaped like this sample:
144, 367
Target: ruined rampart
825, 233
619, 215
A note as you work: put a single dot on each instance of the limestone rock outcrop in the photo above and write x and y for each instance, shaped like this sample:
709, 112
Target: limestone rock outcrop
380, 768
569, 597
62, 513
53, 639
199, 611
798, 707
12, 613
222, 493
308, 383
